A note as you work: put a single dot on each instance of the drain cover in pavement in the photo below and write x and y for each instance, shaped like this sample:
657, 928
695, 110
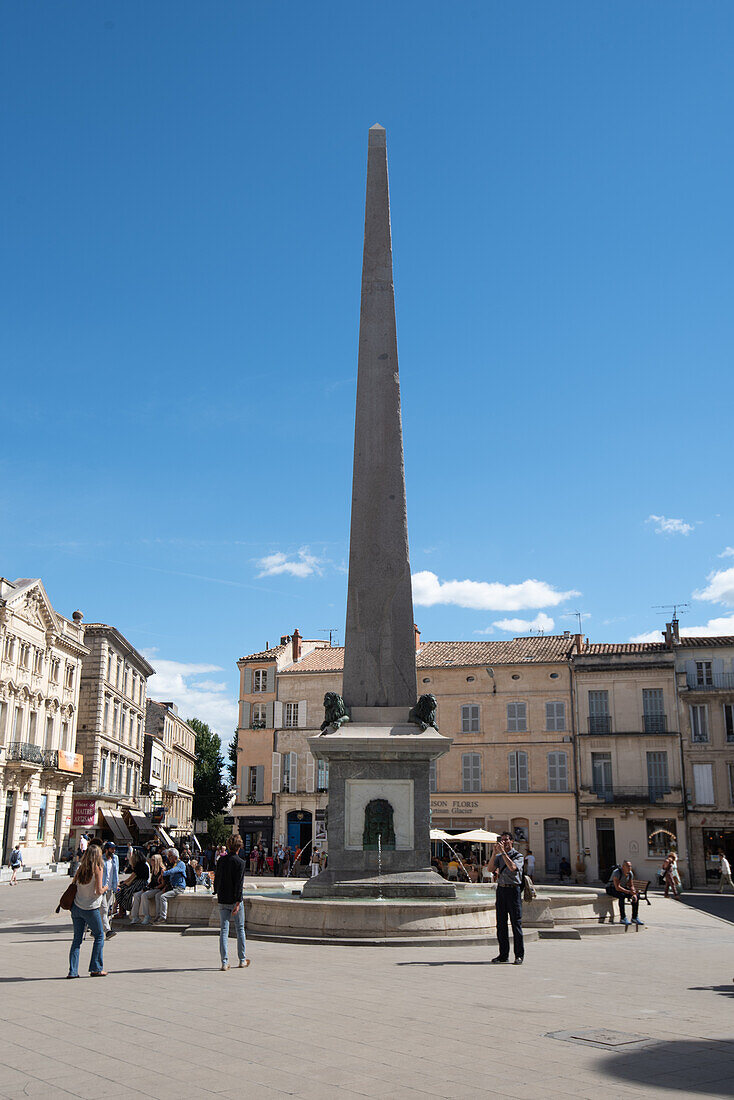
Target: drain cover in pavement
599, 1037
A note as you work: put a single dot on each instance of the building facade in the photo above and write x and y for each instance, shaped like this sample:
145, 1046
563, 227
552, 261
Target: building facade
41, 656
170, 756
705, 681
112, 705
630, 780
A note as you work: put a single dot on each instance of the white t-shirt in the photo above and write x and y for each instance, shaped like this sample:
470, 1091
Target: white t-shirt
725, 866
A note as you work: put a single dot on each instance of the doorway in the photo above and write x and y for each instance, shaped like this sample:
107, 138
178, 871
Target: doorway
300, 833
606, 848
8, 826
557, 845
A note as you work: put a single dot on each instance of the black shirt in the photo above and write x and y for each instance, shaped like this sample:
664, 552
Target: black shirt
229, 878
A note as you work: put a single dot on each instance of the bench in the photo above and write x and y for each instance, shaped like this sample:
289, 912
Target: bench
640, 886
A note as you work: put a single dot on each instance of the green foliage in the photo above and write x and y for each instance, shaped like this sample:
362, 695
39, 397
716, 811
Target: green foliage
232, 761
210, 791
218, 831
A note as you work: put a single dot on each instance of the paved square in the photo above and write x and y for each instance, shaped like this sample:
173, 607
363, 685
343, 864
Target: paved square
320, 1022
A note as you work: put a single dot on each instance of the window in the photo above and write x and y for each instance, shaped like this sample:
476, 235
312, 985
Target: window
432, 777
661, 837
155, 767
70, 676
557, 771
118, 674
259, 716
17, 724
49, 738
555, 716
38, 662
25, 655
3, 719
518, 771
290, 715
125, 681
260, 679
140, 733
116, 719
471, 772
601, 771
33, 722
517, 720
322, 778
703, 781
106, 720
109, 666
123, 724
42, 808
286, 774
113, 774
730, 769
699, 724
470, 718
599, 721
129, 787
704, 673
729, 721
55, 669
24, 817
9, 652
103, 772
657, 774
653, 710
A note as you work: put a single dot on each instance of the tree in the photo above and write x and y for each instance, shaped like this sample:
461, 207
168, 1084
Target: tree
211, 794
218, 831
232, 761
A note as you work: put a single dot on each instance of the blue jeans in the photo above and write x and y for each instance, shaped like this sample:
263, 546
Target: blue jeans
225, 915
92, 919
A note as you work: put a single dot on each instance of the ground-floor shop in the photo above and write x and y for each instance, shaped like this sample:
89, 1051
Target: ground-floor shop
36, 814
544, 824
102, 817
644, 835
710, 836
254, 828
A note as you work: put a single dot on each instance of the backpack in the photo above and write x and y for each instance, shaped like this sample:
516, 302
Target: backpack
610, 887
190, 875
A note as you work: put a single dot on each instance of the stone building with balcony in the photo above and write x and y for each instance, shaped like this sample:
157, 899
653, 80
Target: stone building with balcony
41, 655
110, 731
630, 781
705, 679
170, 752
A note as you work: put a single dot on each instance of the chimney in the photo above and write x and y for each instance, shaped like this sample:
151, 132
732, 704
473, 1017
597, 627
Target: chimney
296, 643
417, 634
580, 641
284, 639
672, 634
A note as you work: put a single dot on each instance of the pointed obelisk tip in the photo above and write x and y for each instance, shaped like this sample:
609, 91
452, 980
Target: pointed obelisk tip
378, 135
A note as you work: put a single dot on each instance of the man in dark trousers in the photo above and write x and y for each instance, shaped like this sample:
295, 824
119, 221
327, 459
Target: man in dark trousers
229, 878
508, 864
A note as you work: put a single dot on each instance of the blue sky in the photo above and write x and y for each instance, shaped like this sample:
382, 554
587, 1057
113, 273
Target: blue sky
182, 208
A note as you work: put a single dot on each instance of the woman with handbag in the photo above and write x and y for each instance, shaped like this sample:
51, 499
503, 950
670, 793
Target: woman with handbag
85, 912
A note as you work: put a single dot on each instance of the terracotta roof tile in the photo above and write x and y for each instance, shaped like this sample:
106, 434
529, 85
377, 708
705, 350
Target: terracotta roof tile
327, 659
723, 639
266, 654
594, 649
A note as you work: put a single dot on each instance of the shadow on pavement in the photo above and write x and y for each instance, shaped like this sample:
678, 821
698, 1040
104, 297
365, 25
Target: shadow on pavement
448, 962
722, 990
702, 1066
32, 928
141, 970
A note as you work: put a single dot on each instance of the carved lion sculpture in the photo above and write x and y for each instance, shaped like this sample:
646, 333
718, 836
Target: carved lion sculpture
335, 713
424, 712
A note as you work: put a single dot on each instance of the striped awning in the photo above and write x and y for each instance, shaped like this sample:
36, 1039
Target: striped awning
116, 822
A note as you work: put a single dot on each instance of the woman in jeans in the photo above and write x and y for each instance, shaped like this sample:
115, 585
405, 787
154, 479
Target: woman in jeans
85, 912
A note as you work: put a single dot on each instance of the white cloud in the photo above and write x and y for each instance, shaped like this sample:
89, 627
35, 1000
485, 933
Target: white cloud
665, 526
648, 636
727, 552
720, 588
524, 626
304, 565
485, 595
209, 700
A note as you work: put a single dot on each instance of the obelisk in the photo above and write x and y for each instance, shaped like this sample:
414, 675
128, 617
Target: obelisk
378, 823
379, 658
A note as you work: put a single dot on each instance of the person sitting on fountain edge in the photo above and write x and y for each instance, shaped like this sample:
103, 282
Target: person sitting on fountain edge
508, 863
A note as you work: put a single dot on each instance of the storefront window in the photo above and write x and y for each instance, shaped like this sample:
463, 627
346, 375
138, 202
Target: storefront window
24, 818
662, 837
716, 841
42, 817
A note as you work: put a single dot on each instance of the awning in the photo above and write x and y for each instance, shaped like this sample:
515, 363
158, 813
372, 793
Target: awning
142, 823
439, 834
164, 836
117, 824
478, 836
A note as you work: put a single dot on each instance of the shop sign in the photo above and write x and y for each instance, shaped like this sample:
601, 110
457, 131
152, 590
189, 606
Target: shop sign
84, 813
456, 807
253, 824
70, 762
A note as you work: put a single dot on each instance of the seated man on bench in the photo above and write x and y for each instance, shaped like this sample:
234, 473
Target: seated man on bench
622, 886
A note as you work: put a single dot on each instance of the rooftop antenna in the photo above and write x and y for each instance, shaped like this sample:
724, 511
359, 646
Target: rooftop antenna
674, 607
577, 615
332, 631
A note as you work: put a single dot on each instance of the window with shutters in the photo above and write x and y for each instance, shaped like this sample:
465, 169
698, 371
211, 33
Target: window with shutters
322, 777
290, 715
518, 772
599, 720
286, 771
729, 721
555, 715
259, 716
703, 782
704, 673
432, 777
657, 774
470, 718
471, 772
260, 679
699, 724
557, 771
517, 717
252, 784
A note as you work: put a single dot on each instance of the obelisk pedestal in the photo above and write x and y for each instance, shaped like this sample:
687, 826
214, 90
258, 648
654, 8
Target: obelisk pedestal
378, 823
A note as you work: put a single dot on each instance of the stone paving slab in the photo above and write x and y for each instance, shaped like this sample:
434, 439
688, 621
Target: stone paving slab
314, 1021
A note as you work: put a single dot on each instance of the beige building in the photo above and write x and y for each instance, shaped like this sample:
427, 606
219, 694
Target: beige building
110, 734
40, 664
172, 756
705, 678
631, 803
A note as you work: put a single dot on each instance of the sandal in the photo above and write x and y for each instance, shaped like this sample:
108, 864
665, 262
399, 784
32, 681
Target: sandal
97, 973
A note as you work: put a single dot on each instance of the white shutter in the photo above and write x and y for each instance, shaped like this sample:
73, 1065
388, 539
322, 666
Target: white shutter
276, 772
310, 769
302, 712
293, 785
703, 778
278, 714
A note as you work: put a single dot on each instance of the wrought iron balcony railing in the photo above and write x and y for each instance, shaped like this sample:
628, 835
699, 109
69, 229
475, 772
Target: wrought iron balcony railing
714, 681
25, 752
600, 723
655, 723
653, 792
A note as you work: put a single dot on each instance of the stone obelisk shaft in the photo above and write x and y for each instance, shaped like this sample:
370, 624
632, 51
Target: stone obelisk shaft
379, 659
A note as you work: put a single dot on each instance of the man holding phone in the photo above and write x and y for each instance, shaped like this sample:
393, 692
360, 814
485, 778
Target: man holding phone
508, 863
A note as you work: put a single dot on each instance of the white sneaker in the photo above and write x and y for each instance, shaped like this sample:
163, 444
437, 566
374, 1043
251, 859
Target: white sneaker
225, 966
